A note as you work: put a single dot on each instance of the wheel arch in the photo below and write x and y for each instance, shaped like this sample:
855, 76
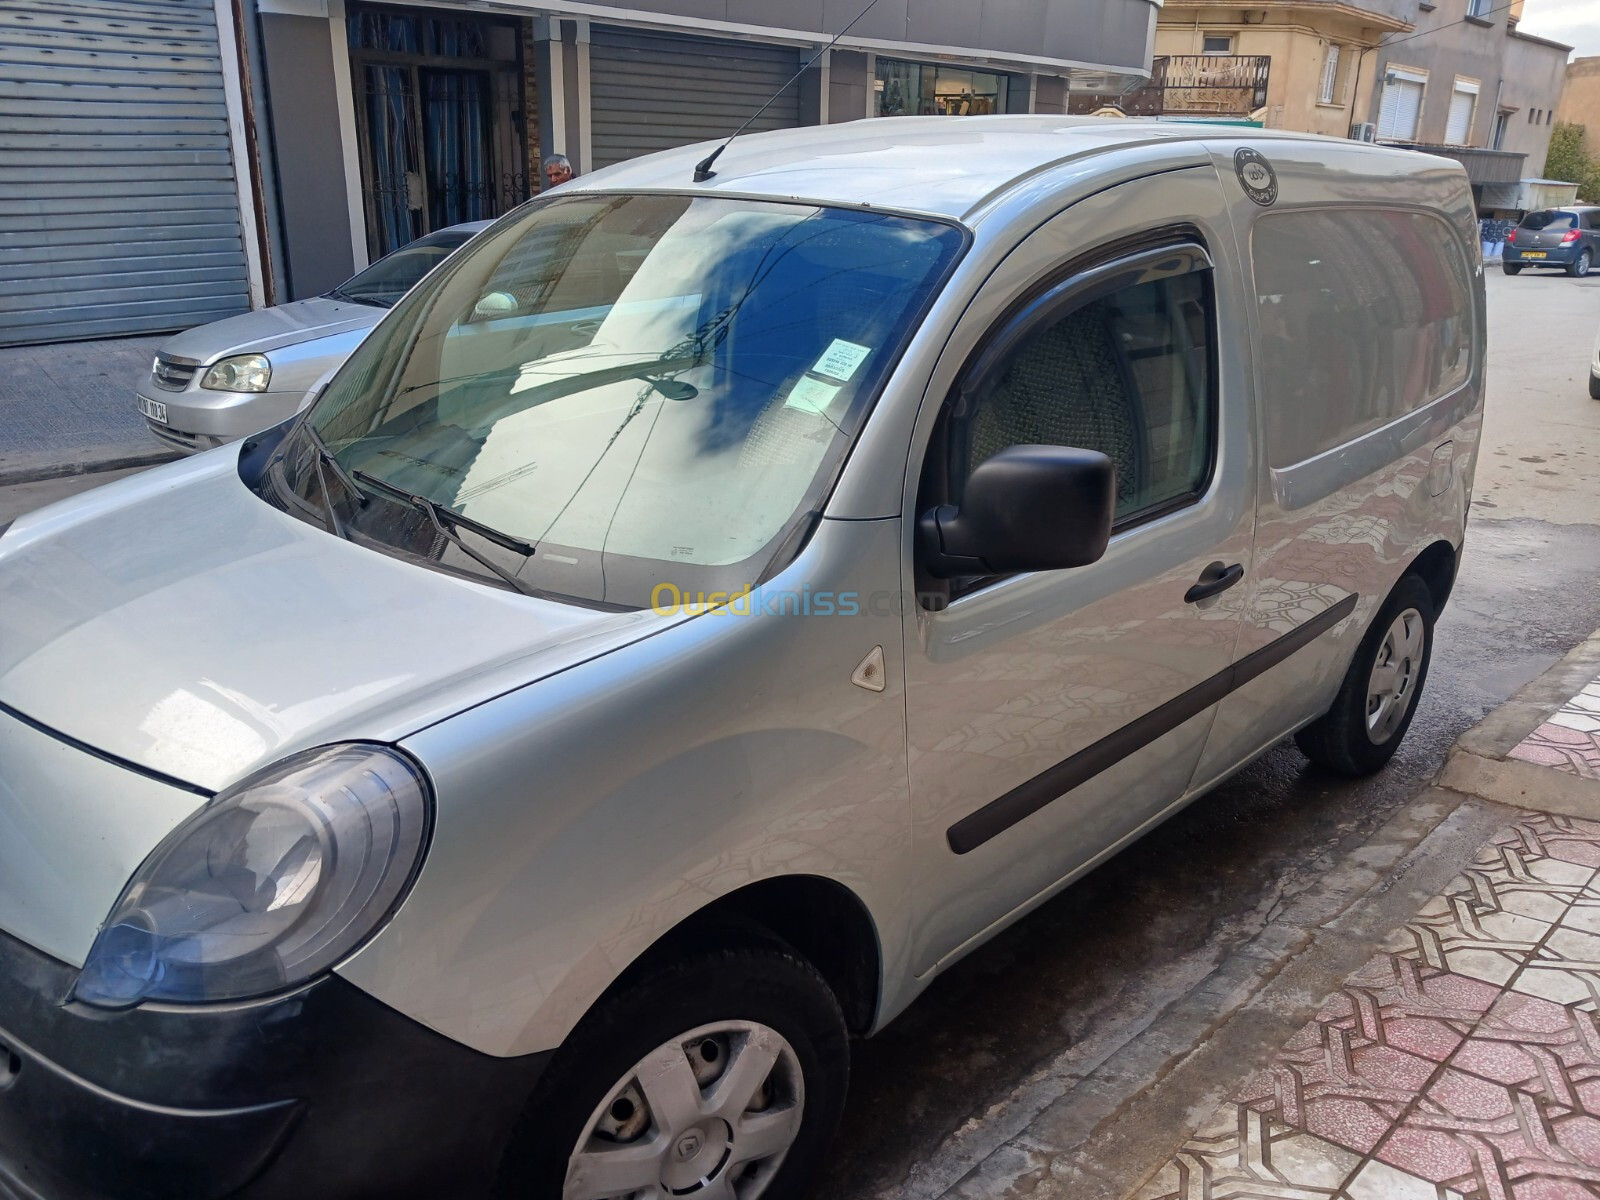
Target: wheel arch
1436, 567
820, 918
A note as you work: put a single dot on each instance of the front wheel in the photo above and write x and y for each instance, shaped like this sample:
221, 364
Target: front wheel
1378, 698
721, 1076
1594, 387
1579, 267
1511, 268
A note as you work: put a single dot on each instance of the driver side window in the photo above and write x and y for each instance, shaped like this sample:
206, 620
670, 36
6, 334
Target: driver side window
1125, 370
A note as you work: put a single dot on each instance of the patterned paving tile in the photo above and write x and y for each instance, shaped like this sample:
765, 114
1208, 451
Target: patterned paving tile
1570, 740
1379, 1181
1349, 1074
1489, 919
1463, 1063
1245, 1155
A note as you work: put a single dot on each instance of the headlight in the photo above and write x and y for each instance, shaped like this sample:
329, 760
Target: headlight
243, 373
268, 885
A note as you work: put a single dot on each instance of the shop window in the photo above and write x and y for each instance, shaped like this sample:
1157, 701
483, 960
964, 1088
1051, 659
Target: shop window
922, 89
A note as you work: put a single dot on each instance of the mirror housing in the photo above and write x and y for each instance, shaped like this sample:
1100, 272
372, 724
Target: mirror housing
1027, 508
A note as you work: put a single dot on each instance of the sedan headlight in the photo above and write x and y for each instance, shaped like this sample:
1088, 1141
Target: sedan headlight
267, 886
242, 373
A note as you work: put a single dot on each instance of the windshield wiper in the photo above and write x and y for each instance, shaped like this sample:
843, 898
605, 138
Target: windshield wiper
324, 459
439, 514
341, 294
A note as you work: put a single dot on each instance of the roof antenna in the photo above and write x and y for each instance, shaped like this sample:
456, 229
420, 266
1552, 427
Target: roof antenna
702, 169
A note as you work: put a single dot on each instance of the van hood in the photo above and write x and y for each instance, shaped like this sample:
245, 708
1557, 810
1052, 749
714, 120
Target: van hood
180, 623
272, 329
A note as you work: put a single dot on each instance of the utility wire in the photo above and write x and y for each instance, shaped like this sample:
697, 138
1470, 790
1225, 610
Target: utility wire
1411, 37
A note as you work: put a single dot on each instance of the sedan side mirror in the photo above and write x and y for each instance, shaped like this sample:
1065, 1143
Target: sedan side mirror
1028, 508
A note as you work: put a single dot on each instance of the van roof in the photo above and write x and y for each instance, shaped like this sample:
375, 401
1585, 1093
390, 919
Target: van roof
942, 165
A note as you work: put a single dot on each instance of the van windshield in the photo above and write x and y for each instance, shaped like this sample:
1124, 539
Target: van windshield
640, 389
1555, 222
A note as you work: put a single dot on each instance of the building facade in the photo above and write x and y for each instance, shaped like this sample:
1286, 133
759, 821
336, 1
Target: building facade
1449, 77
168, 162
1580, 100
1313, 57
1468, 84
389, 120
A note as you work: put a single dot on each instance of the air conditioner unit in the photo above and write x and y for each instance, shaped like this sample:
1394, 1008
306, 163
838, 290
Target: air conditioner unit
1365, 131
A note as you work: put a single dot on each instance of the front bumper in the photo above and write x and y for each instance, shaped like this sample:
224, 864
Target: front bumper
199, 420
321, 1093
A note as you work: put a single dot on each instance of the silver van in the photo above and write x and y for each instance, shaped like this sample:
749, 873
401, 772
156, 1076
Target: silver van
696, 617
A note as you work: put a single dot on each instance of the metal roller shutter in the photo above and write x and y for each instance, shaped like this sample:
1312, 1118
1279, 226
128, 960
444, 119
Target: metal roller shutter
119, 212
654, 91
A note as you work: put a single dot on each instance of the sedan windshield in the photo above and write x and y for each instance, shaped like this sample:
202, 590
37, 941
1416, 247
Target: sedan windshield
618, 392
392, 276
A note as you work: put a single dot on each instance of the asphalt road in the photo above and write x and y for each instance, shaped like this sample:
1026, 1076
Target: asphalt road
1091, 966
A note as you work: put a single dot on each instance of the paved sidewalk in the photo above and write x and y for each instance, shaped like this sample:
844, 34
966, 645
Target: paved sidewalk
1462, 1061
68, 408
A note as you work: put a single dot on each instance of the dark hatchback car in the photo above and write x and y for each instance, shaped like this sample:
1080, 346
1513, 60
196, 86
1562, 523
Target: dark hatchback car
1568, 238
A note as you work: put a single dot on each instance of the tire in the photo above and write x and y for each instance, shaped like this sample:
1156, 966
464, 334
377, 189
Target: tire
1579, 267
1511, 268
1594, 387
1343, 740
742, 996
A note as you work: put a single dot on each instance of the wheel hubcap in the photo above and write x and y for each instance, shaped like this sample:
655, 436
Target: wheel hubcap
709, 1115
1392, 684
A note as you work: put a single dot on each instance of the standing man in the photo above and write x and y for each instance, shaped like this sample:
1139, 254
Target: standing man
557, 170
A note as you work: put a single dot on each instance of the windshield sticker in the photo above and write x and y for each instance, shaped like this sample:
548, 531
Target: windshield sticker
840, 360
812, 395
1256, 176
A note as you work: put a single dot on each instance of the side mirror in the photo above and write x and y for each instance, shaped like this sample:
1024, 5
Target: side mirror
1028, 508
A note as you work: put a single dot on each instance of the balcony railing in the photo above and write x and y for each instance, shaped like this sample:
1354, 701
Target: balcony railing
1218, 85
1483, 166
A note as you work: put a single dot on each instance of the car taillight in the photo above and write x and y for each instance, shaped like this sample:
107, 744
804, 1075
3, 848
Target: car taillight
1570, 235
1511, 236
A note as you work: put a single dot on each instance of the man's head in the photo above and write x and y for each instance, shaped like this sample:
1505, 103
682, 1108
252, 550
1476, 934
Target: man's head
557, 170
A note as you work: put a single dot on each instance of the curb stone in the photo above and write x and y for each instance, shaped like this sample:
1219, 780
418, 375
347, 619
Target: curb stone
25, 473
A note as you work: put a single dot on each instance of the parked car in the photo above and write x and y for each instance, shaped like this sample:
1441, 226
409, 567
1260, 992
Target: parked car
699, 615
1567, 237
1594, 371
218, 382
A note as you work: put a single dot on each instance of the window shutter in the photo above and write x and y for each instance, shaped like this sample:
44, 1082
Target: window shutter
1458, 129
1398, 113
1330, 75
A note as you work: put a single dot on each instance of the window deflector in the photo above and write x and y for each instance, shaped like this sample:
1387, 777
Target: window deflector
1077, 290
1054, 301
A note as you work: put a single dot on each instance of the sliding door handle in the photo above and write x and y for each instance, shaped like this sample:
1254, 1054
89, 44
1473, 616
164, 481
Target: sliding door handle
1214, 580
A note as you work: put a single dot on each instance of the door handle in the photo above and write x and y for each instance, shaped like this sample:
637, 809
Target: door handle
1214, 580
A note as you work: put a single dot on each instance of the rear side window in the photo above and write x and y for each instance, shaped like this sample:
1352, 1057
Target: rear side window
1552, 219
1365, 315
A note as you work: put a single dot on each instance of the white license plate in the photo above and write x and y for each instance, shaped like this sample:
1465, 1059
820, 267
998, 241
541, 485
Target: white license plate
1533, 254
153, 409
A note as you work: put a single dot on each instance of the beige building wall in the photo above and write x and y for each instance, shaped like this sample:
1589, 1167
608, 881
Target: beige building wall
1580, 100
1296, 38
1531, 80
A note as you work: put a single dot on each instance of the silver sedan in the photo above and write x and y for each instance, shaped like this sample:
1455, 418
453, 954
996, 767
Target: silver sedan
219, 382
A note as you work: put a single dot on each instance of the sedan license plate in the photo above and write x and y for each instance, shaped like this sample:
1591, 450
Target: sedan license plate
153, 409
1533, 254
